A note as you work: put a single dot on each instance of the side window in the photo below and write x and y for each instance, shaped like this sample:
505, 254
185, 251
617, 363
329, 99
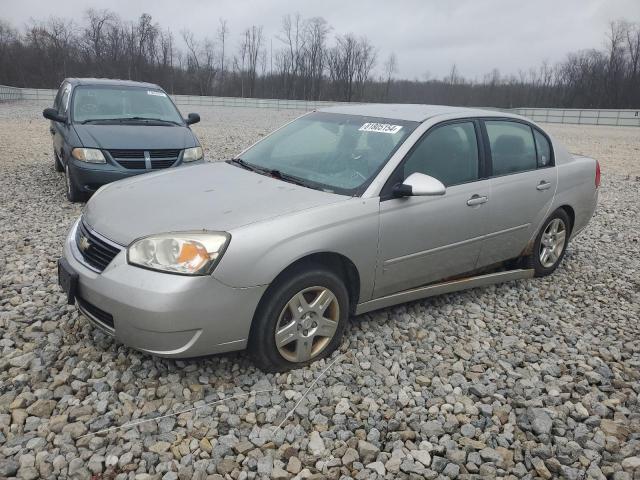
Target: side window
543, 148
512, 147
448, 153
64, 100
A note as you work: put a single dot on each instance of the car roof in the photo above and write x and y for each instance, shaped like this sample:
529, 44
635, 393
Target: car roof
411, 112
109, 81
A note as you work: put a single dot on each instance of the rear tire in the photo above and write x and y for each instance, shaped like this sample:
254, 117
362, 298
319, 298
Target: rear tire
550, 245
74, 194
300, 320
57, 164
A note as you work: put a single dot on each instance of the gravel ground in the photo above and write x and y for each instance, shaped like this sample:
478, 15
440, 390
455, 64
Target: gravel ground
534, 379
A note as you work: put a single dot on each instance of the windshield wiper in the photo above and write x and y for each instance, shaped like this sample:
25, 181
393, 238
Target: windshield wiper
272, 172
245, 165
124, 119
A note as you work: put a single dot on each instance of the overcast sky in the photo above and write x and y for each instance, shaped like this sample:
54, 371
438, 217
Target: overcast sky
428, 36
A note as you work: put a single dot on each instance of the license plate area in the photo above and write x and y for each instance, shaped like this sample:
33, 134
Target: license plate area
68, 280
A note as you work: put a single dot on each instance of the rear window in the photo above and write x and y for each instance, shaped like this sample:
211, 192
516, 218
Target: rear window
512, 147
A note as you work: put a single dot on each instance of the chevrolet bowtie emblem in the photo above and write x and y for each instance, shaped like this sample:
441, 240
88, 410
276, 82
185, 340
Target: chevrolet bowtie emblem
84, 244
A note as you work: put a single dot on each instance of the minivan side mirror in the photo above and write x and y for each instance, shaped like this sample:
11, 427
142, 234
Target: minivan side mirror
419, 184
192, 118
53, 115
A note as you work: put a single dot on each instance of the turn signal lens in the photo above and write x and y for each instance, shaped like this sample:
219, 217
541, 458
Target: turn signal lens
597, 174
188, 253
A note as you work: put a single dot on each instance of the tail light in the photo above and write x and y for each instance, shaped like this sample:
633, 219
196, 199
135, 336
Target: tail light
597, 174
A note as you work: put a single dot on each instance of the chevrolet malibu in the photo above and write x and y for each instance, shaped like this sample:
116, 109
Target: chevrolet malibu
340, 212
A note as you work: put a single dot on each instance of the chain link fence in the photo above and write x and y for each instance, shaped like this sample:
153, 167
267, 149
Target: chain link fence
628, 118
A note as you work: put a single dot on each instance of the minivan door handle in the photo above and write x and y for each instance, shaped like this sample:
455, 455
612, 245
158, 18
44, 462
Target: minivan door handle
477, 200
543, 185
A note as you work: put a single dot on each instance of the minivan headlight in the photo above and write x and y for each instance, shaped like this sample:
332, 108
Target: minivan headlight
192, 154
185, 253
89, 155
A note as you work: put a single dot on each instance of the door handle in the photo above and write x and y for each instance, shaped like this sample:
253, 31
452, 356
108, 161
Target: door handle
477, 200
543, 185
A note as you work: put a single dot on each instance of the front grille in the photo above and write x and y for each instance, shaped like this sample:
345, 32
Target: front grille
96, 252
97, 314
135, 159
133, 164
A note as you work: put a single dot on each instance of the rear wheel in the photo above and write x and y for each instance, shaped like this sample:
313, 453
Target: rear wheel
301, 320
57, 164
550, 245
74, 194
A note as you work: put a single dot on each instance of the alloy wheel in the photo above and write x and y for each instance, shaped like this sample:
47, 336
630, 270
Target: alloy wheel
552, 242
307, 324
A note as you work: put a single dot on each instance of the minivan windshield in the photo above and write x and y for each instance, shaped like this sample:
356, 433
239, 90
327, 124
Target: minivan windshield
108, 102
329, 151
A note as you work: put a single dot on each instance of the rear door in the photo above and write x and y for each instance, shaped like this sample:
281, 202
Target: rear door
523, 184
425, 239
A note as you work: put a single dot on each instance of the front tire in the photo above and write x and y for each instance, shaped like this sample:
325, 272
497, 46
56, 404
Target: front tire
300, 320
57, 164
73, 192
550, 245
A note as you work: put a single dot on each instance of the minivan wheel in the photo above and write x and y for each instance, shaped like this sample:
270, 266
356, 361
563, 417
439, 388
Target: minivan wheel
57, 164
300, 321
550, 245
73, 192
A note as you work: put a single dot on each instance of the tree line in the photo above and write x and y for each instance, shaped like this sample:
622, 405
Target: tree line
305, 60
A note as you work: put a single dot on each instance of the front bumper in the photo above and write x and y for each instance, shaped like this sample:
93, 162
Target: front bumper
163, 314
88, 177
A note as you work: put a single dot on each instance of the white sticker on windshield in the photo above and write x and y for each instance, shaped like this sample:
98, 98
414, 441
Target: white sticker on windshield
156, 93
380, 128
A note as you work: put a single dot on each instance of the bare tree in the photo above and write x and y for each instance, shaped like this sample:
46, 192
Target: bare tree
390, 69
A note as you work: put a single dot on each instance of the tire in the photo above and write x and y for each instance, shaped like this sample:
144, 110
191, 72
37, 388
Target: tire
73, 192
301, 336
57, 164
550, 245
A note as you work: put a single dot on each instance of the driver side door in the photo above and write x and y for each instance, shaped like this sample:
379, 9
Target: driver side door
426, 239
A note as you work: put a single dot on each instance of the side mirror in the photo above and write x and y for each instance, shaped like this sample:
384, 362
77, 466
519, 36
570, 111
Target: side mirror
419, 184
53, 115
192, 118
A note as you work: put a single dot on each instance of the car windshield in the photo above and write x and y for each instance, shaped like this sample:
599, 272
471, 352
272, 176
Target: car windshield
333, 152
95, 103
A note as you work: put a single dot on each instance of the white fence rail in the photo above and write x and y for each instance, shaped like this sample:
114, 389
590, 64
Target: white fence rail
630, 118
10, 93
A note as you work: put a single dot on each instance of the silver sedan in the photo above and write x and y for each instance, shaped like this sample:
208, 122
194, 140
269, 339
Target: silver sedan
340, 212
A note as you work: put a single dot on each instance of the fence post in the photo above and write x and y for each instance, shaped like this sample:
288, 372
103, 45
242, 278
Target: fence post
618, 119
598, 118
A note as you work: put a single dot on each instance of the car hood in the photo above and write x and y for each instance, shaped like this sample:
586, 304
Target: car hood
138, 137
211, 196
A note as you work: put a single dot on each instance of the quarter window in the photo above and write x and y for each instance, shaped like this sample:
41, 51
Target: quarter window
448, 153
512, 147
64, 100
543, 148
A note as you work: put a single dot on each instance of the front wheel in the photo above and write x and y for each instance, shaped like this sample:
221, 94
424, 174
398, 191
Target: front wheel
301, 320
57, 164
550, 245
73, 192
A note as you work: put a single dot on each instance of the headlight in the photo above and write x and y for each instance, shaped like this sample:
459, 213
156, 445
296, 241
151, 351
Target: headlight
186, 253
192, 154
89, 155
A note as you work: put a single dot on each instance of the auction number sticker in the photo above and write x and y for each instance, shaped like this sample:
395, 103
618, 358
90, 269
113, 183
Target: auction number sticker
380, 128
157, 94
